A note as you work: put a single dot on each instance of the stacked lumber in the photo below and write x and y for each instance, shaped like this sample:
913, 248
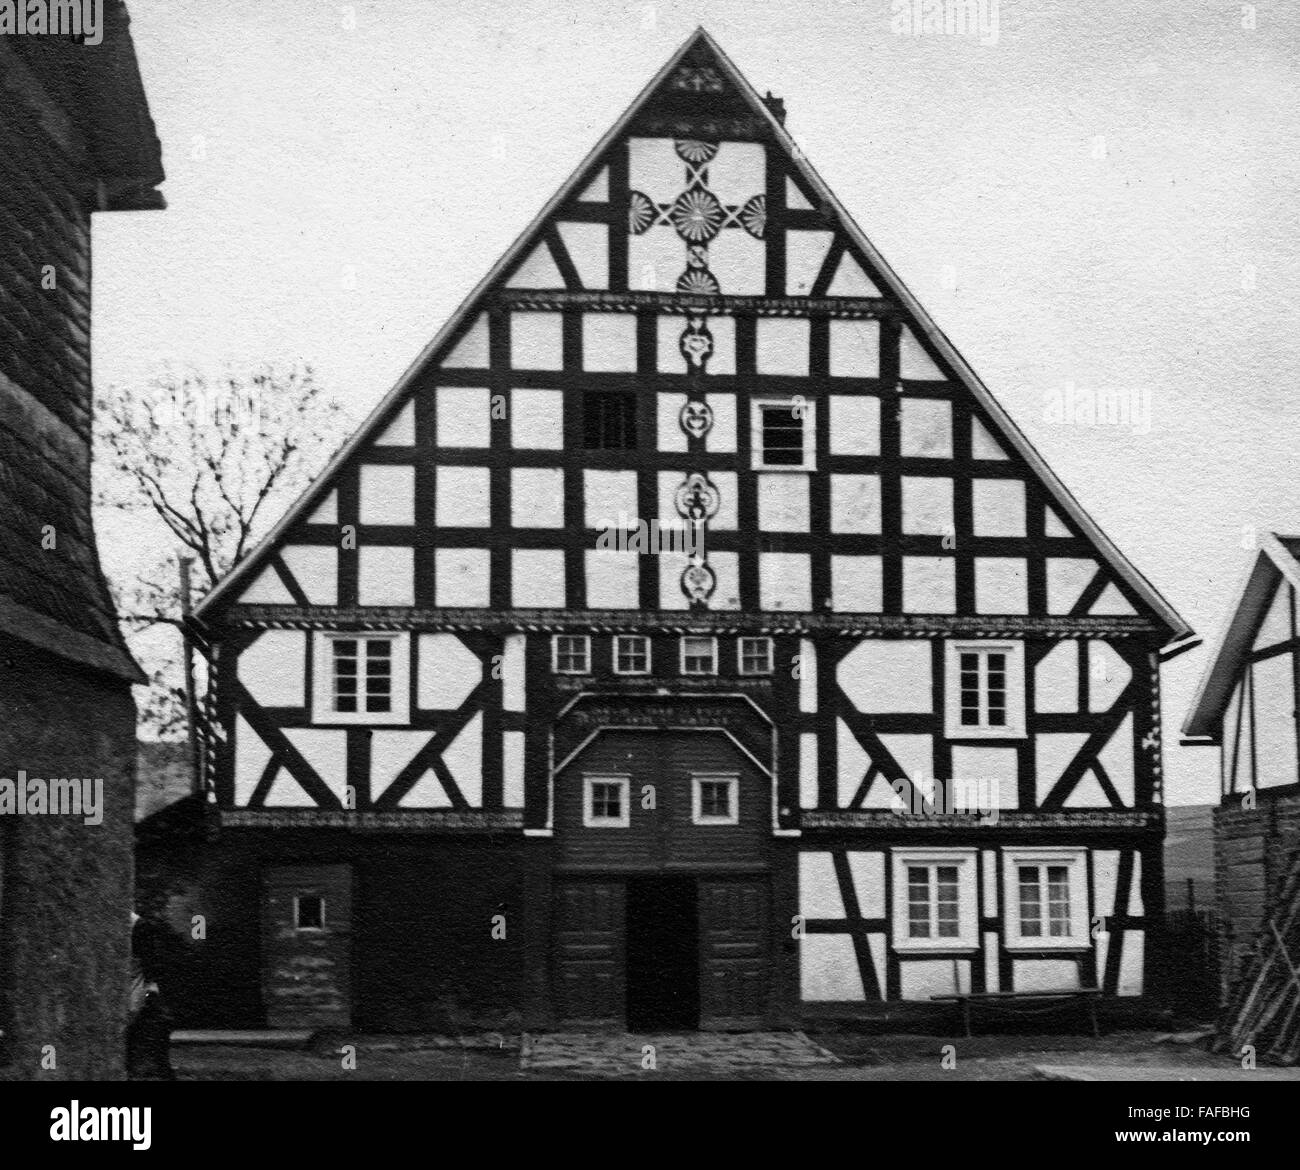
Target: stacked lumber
1263, 1009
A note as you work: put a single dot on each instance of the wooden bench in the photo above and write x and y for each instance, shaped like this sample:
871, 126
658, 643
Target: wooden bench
1088, 995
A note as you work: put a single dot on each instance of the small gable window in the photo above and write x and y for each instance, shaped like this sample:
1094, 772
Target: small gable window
782, 434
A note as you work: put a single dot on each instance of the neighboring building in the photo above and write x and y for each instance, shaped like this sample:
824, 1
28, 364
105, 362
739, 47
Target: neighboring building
164, 775
75, 138
1247, 705
1189, 857
468, 761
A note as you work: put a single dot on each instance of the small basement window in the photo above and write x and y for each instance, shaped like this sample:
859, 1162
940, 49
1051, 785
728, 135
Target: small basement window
309, 912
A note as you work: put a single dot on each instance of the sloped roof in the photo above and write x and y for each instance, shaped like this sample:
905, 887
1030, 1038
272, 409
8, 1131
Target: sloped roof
1275, 561
702, 47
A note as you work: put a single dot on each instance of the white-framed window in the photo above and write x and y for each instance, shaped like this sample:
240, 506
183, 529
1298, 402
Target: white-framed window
1046, 897
754, 655
985, 685
935, 900
309, 912
361, 678
571, 654
715, 798
783, 433
631, 654
699, 654
605, 802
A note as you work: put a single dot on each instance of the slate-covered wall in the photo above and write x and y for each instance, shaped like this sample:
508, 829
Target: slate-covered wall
65, 886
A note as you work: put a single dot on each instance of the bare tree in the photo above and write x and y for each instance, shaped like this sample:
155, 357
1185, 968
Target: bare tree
210, 463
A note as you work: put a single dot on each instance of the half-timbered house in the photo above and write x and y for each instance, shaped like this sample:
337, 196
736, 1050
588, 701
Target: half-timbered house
1247, 705
688, 639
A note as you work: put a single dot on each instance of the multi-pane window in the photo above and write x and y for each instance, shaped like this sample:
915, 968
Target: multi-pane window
935, 901
985, 690
1046, 894
933, 910
715, 800
605, 802
781, 434
309, 912
699, 655
363, 675
361, 678
571, 654
1044, 901
631, 654
755, 655
608, 420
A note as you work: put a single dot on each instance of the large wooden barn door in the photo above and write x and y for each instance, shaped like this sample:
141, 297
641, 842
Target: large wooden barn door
589, 947
733, 953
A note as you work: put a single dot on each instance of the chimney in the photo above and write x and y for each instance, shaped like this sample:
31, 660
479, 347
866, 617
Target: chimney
776, 105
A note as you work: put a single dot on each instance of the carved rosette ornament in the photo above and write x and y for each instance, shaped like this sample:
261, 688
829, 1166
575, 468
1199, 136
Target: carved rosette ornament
698, 501
696, 344
698, 583
698, 498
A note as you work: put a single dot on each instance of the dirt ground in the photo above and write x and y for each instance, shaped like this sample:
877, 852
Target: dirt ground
699, 1056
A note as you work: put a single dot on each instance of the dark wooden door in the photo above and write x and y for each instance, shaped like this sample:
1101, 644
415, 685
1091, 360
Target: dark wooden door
589, 949
307, 946
733, 953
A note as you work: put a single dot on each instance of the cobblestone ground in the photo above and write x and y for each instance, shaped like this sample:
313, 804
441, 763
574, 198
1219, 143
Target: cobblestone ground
698, 1056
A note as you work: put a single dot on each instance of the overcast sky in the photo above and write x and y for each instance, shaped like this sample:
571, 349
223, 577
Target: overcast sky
1105, 197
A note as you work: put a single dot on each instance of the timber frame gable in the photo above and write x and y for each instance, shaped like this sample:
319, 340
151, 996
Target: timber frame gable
474, 347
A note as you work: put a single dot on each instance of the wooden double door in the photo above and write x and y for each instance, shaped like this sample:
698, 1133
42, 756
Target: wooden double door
661, 952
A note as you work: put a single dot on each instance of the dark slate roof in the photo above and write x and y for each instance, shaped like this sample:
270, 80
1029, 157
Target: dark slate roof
100, 88
52, 591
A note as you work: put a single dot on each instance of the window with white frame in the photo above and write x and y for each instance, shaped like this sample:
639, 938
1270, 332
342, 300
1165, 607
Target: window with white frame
571, 654
361, 678
699, 655
1046, 894
605, 802
935, 900
783, 434
715, 799
631, 654
755, 655
985, 683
